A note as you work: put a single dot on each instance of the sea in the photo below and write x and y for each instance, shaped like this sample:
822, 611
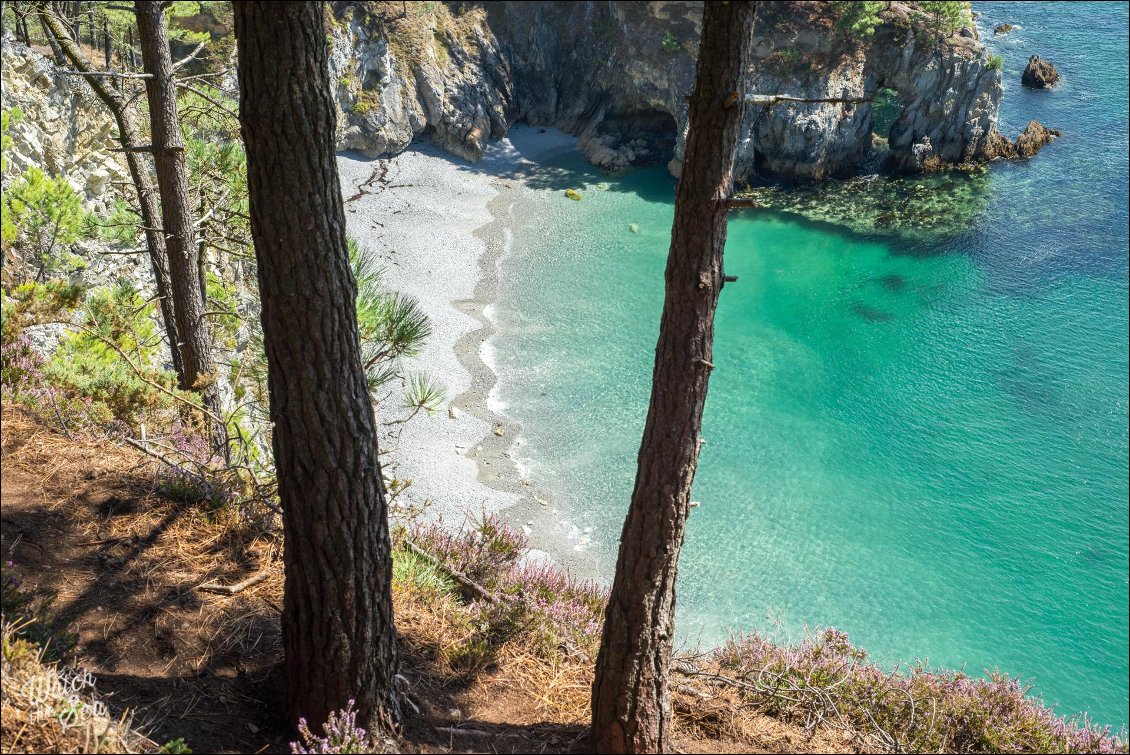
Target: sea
917, 425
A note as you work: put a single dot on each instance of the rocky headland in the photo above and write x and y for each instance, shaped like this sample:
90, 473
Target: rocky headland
617, 75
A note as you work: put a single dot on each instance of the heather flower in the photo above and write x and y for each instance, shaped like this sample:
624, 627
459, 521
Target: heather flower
341, 735
824, 676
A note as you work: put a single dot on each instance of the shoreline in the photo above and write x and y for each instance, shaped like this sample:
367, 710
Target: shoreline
441, 228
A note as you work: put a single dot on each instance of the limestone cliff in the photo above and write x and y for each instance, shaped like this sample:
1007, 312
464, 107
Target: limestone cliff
618, 74
65, 130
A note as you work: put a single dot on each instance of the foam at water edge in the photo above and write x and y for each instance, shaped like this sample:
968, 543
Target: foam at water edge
488, 354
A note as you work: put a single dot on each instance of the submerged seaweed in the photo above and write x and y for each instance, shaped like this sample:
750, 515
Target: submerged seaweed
930, 206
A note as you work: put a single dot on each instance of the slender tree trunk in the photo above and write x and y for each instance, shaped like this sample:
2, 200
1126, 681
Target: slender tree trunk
631, 708
56, 53
338, 632
129, 137
176, 214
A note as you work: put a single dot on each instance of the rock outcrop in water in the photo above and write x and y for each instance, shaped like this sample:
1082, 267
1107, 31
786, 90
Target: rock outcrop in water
1031, 140
1039, 74
617, 74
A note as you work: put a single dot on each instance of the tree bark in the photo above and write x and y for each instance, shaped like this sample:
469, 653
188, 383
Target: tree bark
129, 137
176, 215
338, 631
631, 708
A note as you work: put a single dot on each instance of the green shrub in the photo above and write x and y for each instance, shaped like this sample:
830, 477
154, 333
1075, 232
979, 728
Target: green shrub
37, 304
88, 364
943, 18
43, 215
995, 62
8, 231
786, 59
175, 747
858, 19
670, 43
367, 99
119, 227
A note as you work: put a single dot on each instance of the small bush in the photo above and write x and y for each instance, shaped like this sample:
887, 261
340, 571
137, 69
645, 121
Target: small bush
37, 304
547, 607
24, 383
341, 734
995, 62
670, 43
859, 19
88, 364
786, 59
119, 227
367, 99
825, 676
45, 215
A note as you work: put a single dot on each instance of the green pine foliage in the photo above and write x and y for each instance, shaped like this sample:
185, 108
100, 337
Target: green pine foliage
859, 19
944, 18
8, 230
91, 362
43, 216
391, 326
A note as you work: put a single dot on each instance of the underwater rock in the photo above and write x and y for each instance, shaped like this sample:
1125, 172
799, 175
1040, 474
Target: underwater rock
573, 194
633, 228
1039, 74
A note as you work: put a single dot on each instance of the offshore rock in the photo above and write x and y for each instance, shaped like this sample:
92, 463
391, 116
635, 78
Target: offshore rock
618, 74
1031, 140
1039, 74
1003, 29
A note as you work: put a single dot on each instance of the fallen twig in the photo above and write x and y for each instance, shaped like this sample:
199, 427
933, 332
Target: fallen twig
236, 588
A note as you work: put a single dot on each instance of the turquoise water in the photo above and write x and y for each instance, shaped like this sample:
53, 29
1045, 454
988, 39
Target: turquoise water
920, 439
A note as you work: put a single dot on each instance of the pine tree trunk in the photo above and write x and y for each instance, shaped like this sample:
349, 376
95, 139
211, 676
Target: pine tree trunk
631, 708
338, 632
129, 137
176, 214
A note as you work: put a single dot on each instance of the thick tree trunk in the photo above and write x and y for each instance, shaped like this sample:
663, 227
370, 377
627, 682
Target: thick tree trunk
338, 631
129, 137
176, 214
631, 709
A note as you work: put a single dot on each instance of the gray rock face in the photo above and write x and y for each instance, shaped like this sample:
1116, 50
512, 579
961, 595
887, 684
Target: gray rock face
618, 74
1039, 74
64, 131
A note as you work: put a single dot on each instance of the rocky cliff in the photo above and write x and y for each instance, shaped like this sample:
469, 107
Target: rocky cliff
618, 74
65, 130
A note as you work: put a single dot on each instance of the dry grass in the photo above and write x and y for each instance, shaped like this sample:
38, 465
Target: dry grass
48, 707
125, 564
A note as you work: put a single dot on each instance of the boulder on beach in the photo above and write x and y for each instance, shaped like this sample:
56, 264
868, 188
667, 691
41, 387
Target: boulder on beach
1003, 29
1039, 73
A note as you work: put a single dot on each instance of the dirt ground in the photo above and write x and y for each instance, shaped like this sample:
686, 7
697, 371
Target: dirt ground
121, 567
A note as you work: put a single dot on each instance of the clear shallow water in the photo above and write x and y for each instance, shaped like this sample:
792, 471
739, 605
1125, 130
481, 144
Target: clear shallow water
919, 439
